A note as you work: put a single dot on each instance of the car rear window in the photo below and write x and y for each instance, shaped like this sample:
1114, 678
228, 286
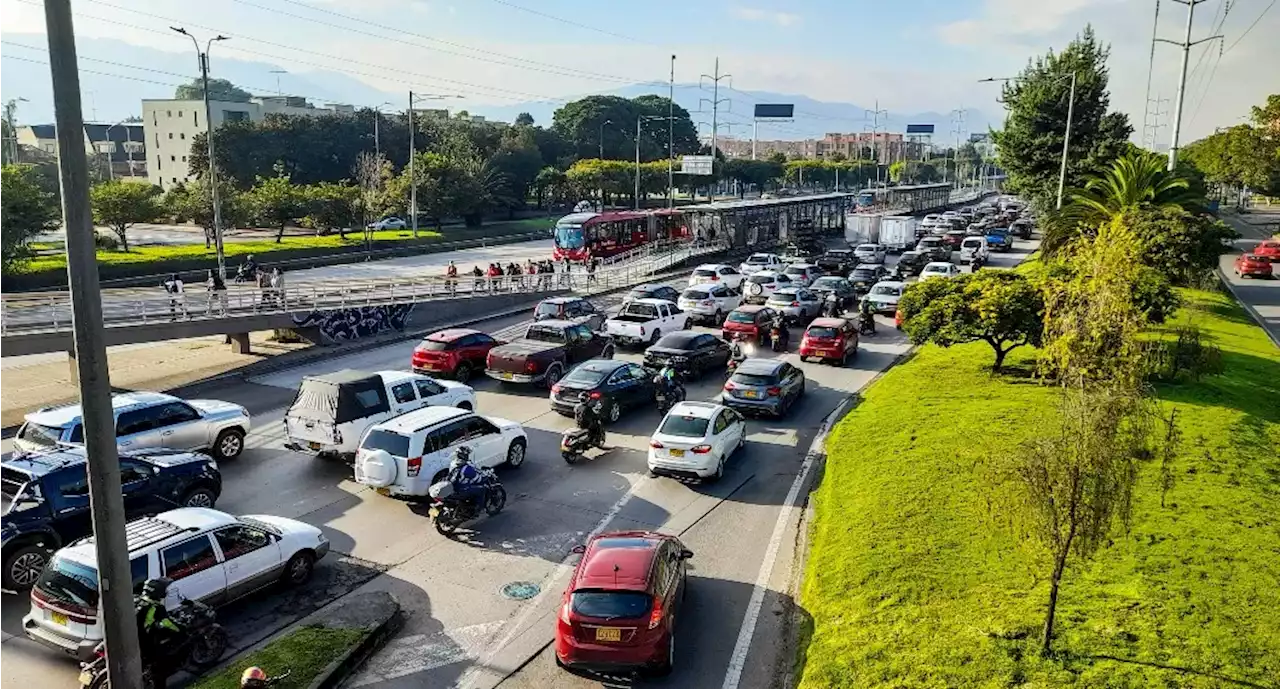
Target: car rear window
889, 290
695, 295
545, 309
826, 283
640, 294
611, 605
762, 279
684, 426
753, 379
433, 346
742, 317
821, 333
864, 273
74, 583
586, 376
38, 434
705, 272
784, 295
758, 258
393, 443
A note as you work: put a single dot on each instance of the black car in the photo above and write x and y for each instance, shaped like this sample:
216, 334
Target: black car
617, 384
866, 275
666, 292
842, 288
46, 499
688, 352
911, 263
837, 261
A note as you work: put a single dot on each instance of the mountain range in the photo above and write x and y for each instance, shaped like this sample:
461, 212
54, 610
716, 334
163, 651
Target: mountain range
115, 76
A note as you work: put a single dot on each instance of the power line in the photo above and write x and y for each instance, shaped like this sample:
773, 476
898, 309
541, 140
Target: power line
89, 71
1251, 26
570, 22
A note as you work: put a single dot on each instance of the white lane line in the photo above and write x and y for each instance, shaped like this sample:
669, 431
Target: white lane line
469, 678
738, 661
410, 655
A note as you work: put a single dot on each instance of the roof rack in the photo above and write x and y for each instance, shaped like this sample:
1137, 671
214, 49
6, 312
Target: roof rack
146, 532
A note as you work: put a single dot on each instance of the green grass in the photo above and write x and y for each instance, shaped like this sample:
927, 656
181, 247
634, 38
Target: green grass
261, 249
913, 582
304, 653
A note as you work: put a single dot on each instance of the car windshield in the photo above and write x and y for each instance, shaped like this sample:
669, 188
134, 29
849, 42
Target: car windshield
822, 333
758, 258
752, 379
570, 236
641, 294
887, 290
13, 484
38, 434
684, 426
826, 283
695, 295
389, 441
705, 273
864, 274
867, 247
972, 243
762, 279
742, 317
542, 334
792, 270
548, 309
586, 376
611, 605
935, 269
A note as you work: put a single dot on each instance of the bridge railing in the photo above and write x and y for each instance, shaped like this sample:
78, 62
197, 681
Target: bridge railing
51, 311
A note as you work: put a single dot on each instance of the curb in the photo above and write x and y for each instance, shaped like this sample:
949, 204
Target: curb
335, 673
1253, 313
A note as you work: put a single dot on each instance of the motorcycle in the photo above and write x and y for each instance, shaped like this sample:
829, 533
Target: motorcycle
975, 263
451, 507
576, 441
779, 337
667, 393
866, 324
199, 645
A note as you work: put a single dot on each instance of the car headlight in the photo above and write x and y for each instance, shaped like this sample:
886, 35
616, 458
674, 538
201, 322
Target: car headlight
213, 464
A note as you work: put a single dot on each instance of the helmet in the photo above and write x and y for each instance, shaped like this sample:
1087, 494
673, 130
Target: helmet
461, 457
253, 678
156, 589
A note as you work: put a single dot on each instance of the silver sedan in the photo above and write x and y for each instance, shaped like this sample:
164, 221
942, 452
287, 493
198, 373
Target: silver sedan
797, 305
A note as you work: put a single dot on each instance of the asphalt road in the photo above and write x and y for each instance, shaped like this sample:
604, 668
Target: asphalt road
461, 630
1260, 295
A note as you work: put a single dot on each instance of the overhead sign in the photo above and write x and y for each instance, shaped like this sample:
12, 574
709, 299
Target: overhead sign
919, 129
979, 137
775, 110
698, 165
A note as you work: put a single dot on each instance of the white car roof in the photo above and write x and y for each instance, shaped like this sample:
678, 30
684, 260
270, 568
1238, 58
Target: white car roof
184, 521
771, 274
409, 422
889, 283
713, 266
802, 266
937, 266
390, 377
63, 415
701, 410
650, 301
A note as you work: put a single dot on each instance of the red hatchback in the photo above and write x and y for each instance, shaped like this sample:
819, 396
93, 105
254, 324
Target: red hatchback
1252, 265
457, 352
1269, 249
830, 339
752, 319
618, 613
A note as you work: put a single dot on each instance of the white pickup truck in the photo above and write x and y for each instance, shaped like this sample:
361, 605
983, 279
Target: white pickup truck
645, 320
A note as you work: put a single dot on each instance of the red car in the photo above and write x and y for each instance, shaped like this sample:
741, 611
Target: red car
1268, 249
752, 319
830, 339
457, 352
618, 613
1253, 265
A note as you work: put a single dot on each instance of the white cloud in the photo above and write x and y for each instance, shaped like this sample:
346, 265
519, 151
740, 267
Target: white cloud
1016, 21
752, 14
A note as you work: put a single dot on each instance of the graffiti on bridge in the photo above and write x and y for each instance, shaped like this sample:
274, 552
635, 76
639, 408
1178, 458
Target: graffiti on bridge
341, 325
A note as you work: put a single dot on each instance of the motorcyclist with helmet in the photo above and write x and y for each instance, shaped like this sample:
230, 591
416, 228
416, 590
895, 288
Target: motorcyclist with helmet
779, 324
831, 305
586, 413
465, 478
155, 628
866, 317
255, 678
668, 380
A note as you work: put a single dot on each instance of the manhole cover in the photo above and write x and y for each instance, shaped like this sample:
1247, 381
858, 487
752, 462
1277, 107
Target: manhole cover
521, 590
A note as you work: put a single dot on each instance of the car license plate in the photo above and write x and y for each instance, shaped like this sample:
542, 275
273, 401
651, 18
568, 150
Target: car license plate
677, 453
433, 512
608, 634
506, 376
751, 394
383, 491
86, 678
314, 446
59, 618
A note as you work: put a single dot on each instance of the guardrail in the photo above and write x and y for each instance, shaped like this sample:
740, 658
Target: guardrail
51, 311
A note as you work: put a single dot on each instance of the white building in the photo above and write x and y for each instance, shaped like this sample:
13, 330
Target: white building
171, 125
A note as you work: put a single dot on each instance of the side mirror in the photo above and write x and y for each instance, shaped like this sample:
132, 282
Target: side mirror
686, 554
578, 549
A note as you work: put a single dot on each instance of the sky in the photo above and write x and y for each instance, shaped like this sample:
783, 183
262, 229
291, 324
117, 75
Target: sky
919, 56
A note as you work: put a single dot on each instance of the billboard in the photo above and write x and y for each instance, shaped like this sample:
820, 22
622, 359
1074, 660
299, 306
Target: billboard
919, 129
775, 110
980, 137
697, 165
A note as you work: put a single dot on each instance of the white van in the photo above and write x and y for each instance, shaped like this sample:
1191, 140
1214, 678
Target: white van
974, 246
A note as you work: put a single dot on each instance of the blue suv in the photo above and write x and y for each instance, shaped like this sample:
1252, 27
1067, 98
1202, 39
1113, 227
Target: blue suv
46, 499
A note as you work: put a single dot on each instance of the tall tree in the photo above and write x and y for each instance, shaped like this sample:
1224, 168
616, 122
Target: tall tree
585, 121
219, 89
26, 211
276, 202
519, 161
119, 204
552, 183
524, 119
191, 201
1036, 104
998, 307
332, 206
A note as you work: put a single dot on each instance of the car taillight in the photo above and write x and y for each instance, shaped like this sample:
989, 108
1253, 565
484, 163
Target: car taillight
531, 366
715, 278
415, 466
655, 444
700, 449
774, 391
729, 385
795, 303
655, 615
708, 302
564, 613
595, 395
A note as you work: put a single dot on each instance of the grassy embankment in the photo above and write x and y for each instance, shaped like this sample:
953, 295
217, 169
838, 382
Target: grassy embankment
304, 653
261, 249
912, 582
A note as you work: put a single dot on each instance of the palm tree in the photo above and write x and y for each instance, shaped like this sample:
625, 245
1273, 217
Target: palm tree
1137, 180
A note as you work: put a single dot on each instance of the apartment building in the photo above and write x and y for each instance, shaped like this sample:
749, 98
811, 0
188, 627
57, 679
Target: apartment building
118, 149
885, 146
171, 125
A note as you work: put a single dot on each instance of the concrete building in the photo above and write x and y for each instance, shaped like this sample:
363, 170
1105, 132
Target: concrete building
118, 149
884, 146
171, 125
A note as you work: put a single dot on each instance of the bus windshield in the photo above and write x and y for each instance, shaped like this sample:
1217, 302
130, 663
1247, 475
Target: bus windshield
570, 236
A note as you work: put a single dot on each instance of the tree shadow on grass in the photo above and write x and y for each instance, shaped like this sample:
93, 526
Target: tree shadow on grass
1178, 668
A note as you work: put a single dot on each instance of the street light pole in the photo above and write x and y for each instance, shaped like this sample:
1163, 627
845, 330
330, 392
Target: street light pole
1066, 139
106, 503
671, 136
413, 180
601, 139
208, 122
377, 115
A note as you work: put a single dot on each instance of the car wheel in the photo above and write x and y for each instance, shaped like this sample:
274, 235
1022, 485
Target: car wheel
299, 568
554, 372
465, 406
199, 497
515, 454
23, 567
719, 317
719, 472
462, 374
653, 339
607, 352
615, 411
669, 663
229, 444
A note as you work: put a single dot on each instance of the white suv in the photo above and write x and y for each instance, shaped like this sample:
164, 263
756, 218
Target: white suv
211, 556
709, 302
405, 455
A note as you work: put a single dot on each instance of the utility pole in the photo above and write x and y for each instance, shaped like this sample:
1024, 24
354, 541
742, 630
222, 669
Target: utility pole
602, 126
413, 180
1151, 63
1158, 111
876, 150
106, 502
715, 106
1186, 44
1066, 139
208, 121
671, 136
957, 128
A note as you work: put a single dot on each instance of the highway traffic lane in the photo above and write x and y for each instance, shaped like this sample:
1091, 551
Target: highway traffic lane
1262, 295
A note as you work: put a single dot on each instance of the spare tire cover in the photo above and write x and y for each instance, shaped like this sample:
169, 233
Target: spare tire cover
375, 468
754, 289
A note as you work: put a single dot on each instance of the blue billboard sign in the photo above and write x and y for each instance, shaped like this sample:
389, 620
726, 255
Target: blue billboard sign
919, 129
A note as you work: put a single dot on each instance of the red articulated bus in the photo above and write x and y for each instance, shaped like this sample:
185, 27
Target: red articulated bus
580, 236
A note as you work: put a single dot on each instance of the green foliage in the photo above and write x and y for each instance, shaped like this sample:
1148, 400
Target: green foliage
277, 201
582, 123
524, 119
26, 210
550, 182
1238, 157
908, 586
519, 161
219, 89
1180, 244
777, 157
192, 202
999, 307
756, 174
332, 207
118, 204
1030, 144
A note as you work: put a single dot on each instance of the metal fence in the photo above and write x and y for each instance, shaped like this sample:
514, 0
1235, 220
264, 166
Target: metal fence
51, 311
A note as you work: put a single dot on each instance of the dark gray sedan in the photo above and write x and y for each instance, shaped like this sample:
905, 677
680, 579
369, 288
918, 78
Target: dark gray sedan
763, 386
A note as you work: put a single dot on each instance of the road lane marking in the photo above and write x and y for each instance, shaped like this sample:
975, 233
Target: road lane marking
738, 661
410, 655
